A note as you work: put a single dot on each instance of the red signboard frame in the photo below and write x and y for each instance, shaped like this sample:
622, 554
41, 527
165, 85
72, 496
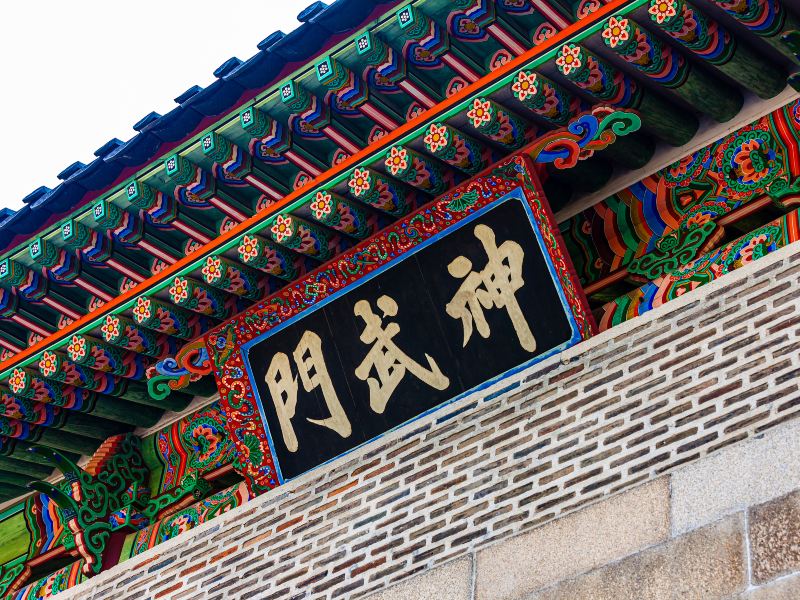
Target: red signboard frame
224, 343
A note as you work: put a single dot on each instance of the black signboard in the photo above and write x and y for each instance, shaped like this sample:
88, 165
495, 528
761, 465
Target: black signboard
472, 304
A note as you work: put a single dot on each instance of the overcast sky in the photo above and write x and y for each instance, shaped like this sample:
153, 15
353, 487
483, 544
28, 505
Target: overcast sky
76, 74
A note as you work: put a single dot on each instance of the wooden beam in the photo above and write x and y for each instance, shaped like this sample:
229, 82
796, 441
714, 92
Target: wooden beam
36, 471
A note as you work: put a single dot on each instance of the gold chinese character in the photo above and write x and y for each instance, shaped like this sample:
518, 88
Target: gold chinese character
494, 287
389, 361
313, 373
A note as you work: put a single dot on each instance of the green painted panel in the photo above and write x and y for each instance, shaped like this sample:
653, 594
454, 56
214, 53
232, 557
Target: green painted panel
14, 538
126, 547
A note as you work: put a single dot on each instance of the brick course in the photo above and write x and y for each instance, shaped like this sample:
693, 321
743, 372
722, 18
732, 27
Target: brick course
702, 373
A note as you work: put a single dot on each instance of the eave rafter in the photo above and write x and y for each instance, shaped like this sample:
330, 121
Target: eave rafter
188, 264
339, 150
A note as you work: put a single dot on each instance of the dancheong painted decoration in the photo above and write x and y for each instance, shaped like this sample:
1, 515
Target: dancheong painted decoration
464, 290
393, 206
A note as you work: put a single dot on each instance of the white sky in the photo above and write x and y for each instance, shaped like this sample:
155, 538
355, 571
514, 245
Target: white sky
76, 74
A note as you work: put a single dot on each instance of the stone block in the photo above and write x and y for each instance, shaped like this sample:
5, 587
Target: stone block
748, 473
775, 538
452, 581
706, 564
579, 542
787, 588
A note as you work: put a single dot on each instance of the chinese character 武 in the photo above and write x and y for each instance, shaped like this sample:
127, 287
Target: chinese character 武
389, 362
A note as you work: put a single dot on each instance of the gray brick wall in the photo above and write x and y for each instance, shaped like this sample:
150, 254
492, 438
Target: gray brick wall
699, 374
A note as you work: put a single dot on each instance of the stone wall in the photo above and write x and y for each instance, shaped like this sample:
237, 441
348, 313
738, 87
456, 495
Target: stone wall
631, 466
636, 545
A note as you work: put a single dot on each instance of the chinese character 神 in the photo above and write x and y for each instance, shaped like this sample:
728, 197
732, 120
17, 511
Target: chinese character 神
389, 361
313, 373
494, 287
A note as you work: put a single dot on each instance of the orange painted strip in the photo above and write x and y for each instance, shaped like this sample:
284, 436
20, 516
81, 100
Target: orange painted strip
608, 280
345, 165
793, 226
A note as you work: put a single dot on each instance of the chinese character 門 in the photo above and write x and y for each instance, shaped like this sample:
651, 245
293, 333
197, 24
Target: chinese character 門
314, 374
